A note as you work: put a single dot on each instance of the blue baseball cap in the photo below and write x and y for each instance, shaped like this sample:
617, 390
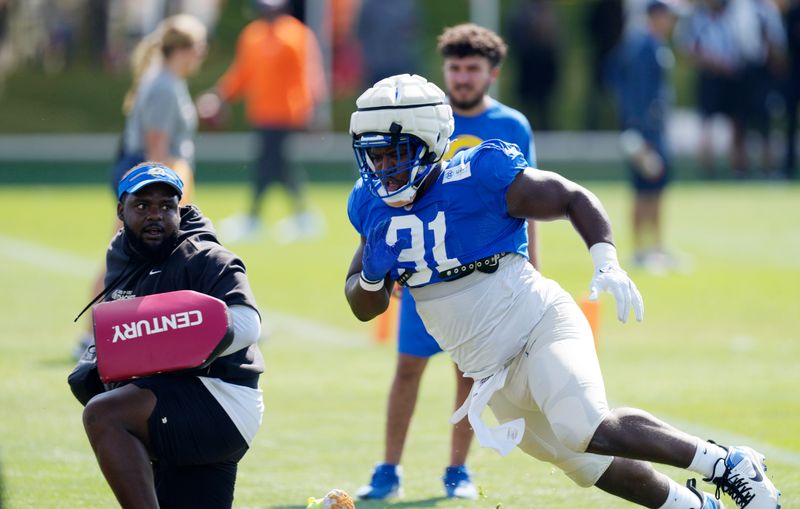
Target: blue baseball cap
146, 174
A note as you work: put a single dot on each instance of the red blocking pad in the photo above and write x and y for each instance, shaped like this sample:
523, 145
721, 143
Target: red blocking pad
158, 333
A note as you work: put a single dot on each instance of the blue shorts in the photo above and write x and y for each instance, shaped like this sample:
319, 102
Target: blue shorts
197, 446
649, 186
412, 337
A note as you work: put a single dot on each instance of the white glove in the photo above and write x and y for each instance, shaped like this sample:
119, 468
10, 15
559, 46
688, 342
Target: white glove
609, 277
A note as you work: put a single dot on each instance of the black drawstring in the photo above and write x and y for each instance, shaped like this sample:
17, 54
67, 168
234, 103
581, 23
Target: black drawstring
108, 288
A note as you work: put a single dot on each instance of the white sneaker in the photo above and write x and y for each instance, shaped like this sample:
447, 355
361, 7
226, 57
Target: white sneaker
707, 500
659, 262
240, 228
742, 476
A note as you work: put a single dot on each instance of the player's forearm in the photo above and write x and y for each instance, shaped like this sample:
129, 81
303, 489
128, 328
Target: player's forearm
366, 304
589, 218
545, 196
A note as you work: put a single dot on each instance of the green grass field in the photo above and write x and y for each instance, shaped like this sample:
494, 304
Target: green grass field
717, 353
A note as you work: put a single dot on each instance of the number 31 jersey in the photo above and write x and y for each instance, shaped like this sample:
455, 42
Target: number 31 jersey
462, 217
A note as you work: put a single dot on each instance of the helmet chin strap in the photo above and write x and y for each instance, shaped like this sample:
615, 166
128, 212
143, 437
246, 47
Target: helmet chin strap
401, 199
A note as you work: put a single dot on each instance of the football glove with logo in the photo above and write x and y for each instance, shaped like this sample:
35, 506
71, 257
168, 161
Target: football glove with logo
609, 277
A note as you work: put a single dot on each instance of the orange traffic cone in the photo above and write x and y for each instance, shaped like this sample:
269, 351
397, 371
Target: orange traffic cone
386, 323
591, 309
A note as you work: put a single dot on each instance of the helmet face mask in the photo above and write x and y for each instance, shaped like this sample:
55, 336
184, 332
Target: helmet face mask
400, 130
396, 184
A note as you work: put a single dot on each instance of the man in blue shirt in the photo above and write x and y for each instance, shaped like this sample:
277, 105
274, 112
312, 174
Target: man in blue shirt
639, 75
472, 56
454, 233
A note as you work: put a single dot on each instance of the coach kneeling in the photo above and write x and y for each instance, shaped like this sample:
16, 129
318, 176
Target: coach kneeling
172, 435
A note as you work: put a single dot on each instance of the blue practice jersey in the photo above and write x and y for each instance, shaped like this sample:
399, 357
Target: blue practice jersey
638, 72
498, 121
461, 217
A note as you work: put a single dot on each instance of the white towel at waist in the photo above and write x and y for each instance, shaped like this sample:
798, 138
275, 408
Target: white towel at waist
502, 438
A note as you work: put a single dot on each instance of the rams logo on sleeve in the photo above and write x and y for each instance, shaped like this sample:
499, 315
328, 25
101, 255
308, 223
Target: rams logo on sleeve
461, 142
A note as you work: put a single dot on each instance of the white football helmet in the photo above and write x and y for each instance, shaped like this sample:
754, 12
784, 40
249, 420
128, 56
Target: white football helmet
408, 114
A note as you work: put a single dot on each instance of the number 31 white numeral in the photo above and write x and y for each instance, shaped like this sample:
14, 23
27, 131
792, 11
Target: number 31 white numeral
416, 252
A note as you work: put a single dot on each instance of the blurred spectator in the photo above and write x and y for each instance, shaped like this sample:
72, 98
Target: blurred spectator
761, 39
142, 16
97, 14
707, 38
207, 11
4, 5
604, 21
3, 19
635, 15
389, 28
535, 46
128, 22
296, 8
161, 117
792, 86
61, 18
116, 26
346, 59
5, 50
639, 72
277, 71
27, 36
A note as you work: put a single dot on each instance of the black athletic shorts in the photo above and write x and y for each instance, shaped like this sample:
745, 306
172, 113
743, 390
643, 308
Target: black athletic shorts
197, 446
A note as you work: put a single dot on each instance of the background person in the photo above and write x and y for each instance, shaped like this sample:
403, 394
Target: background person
175, 439
161, 120
399, 18
792, 20
603, 24
472, 57
534, 28
707, 38
761, 39
454, 232
277, 71
640, 72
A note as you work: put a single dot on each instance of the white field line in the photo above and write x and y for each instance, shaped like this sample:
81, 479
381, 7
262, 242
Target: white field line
64, 263
46, 258
61, 262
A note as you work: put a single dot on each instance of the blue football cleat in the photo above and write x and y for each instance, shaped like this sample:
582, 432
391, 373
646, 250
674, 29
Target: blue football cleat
386, 483
457, 483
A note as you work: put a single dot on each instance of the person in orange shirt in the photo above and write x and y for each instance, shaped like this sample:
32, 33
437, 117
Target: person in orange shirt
277, 72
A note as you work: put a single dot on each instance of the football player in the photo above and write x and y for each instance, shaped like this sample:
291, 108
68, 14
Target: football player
454, 233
